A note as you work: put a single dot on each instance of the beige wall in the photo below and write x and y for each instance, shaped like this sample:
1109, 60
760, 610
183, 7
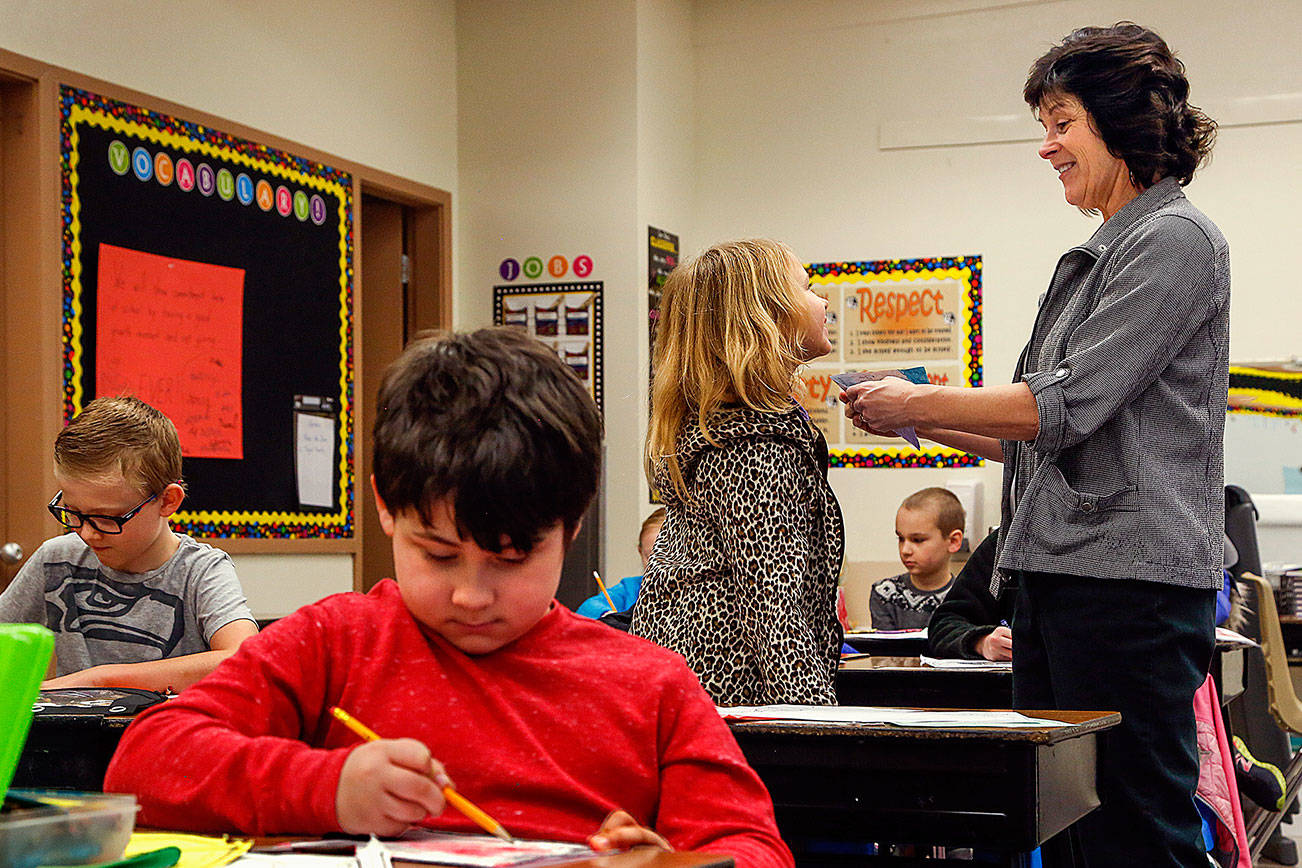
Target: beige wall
794, 101
373, 83
567, 127
549, 162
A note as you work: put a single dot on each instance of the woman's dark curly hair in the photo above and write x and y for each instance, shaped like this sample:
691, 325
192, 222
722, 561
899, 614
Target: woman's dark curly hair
1136, 93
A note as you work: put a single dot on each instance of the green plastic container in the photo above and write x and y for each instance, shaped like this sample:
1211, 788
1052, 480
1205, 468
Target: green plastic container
24, 655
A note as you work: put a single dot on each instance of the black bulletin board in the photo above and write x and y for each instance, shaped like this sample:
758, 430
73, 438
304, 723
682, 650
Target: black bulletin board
174, 194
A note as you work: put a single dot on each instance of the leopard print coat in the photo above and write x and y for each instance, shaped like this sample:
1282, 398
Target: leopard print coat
742, 579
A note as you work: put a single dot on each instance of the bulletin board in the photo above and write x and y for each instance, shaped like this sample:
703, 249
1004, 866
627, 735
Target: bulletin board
565, 317
894, 313
211, 276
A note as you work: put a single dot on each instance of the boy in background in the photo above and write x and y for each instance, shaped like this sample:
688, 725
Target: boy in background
131, 603
487, 453
625, 593
929, 527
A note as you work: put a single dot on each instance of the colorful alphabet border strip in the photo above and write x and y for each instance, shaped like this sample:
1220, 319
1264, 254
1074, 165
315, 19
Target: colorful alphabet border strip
967, 270
83, 107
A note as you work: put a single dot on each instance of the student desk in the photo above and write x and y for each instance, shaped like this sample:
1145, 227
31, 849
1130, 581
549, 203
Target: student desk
905, 682
1000, 789
887, 643
69, 751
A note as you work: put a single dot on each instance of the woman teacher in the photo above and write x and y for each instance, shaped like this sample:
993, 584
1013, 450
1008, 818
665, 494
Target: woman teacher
1110, 435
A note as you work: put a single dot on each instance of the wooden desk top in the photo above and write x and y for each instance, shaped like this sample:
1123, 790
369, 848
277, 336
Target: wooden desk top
1074, 724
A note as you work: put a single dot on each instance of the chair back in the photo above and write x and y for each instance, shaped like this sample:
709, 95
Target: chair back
1284, 704
24, 655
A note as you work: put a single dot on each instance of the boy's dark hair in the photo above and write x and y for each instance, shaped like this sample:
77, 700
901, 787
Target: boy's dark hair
1135, 90
496, 422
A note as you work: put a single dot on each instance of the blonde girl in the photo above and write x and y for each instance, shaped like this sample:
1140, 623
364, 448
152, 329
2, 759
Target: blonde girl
742, 579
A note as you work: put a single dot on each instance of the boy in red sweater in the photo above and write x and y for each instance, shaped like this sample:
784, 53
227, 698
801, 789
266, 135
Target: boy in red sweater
487, 454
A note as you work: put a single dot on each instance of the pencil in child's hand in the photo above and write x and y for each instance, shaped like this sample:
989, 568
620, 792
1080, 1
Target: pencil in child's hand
455, 799
600, 584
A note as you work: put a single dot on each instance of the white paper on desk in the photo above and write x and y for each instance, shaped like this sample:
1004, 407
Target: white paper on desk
913, 375
314, 442
882, 716
952, 663
454, 848
1224, 634
294, 860
887, 634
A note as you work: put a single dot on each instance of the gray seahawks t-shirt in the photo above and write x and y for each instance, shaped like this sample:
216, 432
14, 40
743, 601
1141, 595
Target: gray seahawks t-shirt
100, 615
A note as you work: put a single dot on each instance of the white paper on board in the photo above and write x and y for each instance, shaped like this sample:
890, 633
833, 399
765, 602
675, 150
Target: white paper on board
314, 440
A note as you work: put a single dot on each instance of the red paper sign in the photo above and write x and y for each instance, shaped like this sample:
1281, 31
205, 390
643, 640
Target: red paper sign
170, 332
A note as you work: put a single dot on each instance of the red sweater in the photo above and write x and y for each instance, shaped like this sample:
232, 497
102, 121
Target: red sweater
549, 734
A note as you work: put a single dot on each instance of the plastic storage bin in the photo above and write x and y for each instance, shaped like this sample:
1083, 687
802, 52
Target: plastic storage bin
57, 827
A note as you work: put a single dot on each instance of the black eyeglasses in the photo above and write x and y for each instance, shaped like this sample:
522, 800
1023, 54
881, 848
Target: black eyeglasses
108, 524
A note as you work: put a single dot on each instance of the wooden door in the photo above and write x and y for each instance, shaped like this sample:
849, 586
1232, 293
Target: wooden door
406, 288
383, 337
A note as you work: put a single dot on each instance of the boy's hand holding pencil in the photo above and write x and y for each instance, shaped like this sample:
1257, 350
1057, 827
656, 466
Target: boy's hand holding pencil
385, 788
389, 785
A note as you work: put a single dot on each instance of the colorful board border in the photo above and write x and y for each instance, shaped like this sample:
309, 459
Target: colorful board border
80, 107
966, 270
1265, 391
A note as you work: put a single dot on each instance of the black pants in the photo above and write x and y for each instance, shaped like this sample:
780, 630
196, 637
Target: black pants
1141, 648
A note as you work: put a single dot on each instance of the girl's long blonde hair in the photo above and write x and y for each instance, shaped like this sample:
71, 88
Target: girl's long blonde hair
729, 331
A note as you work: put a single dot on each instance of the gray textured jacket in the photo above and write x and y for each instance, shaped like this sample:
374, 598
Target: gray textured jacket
1129, 365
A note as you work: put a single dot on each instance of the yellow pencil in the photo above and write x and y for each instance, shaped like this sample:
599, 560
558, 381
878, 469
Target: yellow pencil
600, 584
455, 799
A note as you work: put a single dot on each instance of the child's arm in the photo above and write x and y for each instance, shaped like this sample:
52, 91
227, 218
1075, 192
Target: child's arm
237, 752
171, 674
710, 798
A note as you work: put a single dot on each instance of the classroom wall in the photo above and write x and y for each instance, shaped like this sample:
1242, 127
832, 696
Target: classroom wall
554, 160
794, 101
569, 126
373, 83
666, 199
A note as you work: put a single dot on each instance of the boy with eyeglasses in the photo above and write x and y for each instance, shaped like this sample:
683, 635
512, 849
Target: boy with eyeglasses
131, 603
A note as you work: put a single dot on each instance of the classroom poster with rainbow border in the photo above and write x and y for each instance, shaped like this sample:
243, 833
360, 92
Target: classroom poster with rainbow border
894, 313
176, 236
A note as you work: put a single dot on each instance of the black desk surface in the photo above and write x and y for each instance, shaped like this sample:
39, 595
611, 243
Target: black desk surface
69, 751
904, 681
887, 643
1006, 790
